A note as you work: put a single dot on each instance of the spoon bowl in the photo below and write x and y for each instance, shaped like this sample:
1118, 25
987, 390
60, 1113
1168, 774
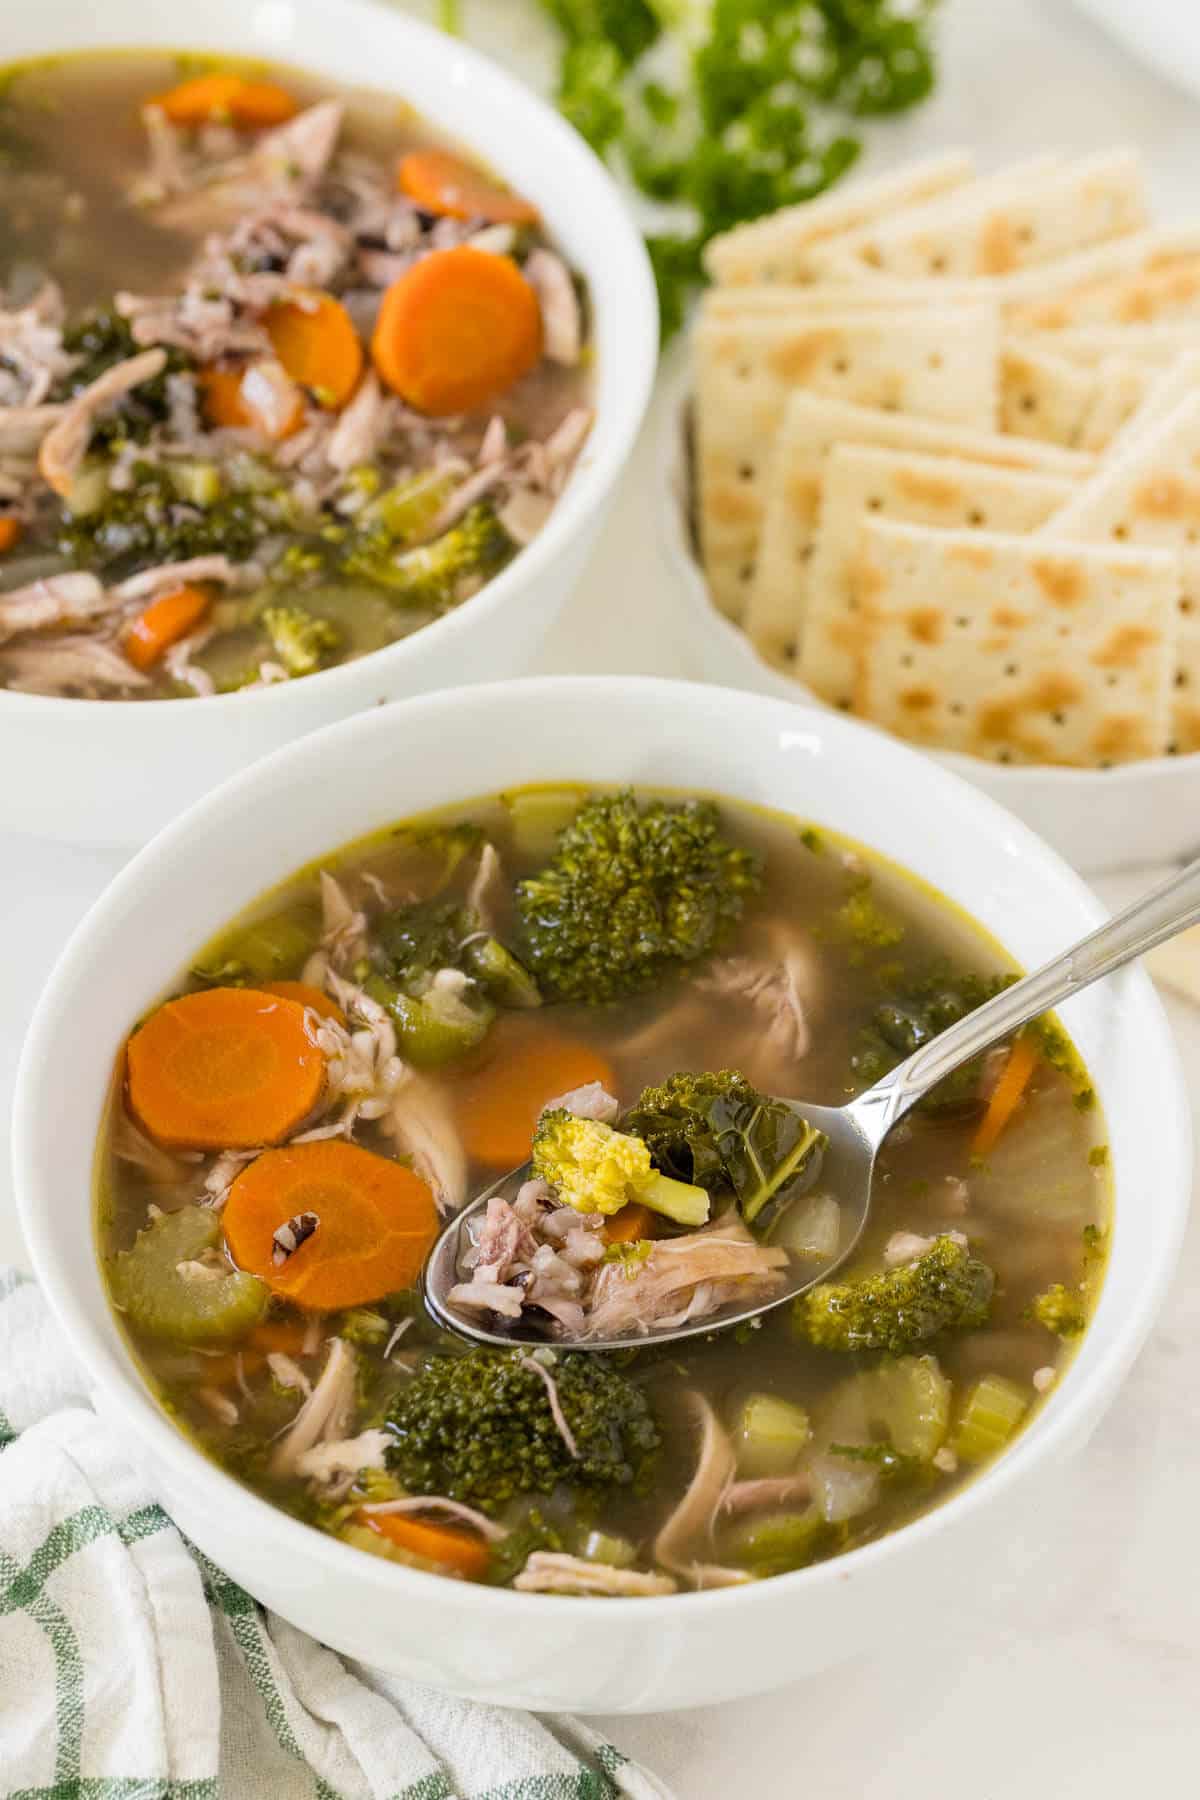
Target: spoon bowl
855, 1132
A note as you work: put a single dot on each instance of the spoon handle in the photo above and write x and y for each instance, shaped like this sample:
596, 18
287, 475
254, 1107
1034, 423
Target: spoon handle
1161, 914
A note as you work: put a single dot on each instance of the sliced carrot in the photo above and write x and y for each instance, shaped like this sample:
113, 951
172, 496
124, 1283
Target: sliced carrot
227, 98
456, 330
376, 1219
1022, 1061
228, 1069
498, 1105
10, 531
163, 623
441, 182
257, 105
285, 1336
304, 994
317, 344
457, 1551
632, 1223
225, 402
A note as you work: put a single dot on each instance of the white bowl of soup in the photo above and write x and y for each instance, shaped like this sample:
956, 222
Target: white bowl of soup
373, 334
799, 919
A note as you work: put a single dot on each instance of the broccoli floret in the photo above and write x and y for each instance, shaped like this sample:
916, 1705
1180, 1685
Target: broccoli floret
946, 1289
718, 1131
436, 576
480, 1428
596, 1169
631, 893
302, 642
1062, 1310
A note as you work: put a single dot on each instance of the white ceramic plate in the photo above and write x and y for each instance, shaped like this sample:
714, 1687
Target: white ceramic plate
111, 772
1099, 819
555, 1652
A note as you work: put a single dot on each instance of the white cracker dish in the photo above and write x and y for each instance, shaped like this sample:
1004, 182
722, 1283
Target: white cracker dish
856, 466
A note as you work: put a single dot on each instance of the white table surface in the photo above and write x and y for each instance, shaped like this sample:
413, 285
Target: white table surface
1074, 1667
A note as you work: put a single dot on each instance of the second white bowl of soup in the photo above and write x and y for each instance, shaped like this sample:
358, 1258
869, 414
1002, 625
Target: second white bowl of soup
325, 368
799, 1502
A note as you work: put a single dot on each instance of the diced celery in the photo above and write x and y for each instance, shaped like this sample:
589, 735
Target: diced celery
774, 1544
605, 1547
906, 1400
274, 947
89, 488
407, 510
539, 814
506, 979
677, 1200
374, 1542
197, 482
192, 1306
991, 1413
437, 1027
912, 1402
769, 1435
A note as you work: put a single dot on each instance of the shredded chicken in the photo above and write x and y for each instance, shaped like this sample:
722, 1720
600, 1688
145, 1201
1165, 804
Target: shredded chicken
337, 1463
66, 599
537, 1367
772, 1490
296, 155
717, 1265
685, 1541
344, 928
62, 448
422, 1124
905, 1246
487, 886
554, 1572
203, 323
361, 427
288, 1373
85, 667
524, 513
562, 324
774, 991
23, 429
32, 358
325, 1414
592, 1101
172, 575
450, 1509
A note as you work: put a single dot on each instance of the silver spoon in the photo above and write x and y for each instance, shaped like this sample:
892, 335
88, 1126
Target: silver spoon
856, 1131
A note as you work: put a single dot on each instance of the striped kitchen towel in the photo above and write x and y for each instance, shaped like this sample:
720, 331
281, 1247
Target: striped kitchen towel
132, 1669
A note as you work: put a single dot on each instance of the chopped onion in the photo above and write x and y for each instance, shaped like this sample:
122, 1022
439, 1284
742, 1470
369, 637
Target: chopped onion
843, 1488
811, 1227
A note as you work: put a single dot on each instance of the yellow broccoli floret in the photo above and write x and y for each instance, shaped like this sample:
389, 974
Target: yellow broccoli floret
598, 1170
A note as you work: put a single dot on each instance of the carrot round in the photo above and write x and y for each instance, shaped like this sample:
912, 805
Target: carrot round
441, 182
163, 623
1022, 1061
225, 402
628, 1226
459, 1552
499, 1105
317, 344
304, 994
10, 531
209, 98
456, 330
376, 1221
223, 1070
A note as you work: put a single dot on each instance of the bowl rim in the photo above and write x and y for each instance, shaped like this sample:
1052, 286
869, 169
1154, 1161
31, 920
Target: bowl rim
115, 1372
755, 669
593, 475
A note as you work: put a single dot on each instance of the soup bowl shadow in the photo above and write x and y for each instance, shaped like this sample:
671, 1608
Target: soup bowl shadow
354, 778
111, 772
